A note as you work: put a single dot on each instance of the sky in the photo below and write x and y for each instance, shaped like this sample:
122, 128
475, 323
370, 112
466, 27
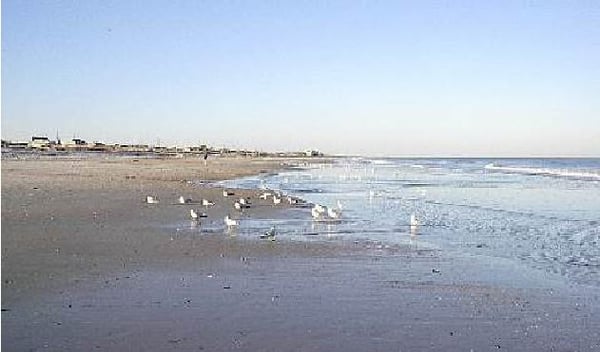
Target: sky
396, 78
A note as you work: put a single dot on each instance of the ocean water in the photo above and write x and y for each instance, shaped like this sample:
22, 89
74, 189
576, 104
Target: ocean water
540, 213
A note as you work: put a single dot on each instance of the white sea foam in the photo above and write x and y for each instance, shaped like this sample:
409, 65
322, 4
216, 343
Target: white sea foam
569, 173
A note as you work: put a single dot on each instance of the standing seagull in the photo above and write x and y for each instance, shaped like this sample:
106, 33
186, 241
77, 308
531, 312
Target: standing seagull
413, 220
269, 234
318, 211
229, 222
414, 224
334, 213
193, 214
151, 200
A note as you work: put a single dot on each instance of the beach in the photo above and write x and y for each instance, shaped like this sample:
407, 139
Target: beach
87, 264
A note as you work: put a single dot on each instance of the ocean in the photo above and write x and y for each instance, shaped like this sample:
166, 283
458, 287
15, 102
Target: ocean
541, 214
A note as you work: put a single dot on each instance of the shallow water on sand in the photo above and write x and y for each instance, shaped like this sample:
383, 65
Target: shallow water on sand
541, 213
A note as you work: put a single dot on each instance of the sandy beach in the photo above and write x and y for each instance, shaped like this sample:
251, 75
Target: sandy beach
88, 265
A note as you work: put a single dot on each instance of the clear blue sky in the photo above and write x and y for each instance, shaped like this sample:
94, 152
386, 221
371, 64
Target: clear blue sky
374, 77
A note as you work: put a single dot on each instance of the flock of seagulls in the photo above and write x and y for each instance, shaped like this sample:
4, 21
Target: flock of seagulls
239, 204
319, 212
322, 213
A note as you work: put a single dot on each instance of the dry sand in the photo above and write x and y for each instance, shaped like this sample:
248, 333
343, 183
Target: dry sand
86, 265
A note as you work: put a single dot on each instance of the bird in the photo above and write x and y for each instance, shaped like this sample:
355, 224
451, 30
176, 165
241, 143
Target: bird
151, 200
292, 200
414, 224
317, 211
243, 201
334, 213
265, 195
237, 206
230, 222
182, 200
413, 220
193, 214
337, 212
269, 234
207, 202
226, 193
276, 200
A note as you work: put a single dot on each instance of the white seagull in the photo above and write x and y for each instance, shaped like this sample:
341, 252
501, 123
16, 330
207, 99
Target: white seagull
151, 200
193, 214
337, 212
269, 234
230, 222
414, 222
276, 200
207, 202
334, 213
317, 211
265, 195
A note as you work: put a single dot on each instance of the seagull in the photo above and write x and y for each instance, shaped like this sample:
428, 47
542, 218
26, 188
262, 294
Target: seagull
269, 234
182, 200
151, 200
227, 193
265, 195
230, 222
334, 213
317, 211
207, 202
293, 200
237, 206
195, 215
243, 201
414, 221
321, 209
276, 200
414, 224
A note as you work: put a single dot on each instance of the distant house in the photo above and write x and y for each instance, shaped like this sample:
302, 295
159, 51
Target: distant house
99, 147
40, 143
18, 145
159, 149
134, 148
312, 153
75, 144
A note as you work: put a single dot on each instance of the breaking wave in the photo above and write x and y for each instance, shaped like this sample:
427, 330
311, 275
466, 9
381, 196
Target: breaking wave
535, 171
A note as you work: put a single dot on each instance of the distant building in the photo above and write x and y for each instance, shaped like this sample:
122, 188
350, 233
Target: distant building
75, 141
18, 145
312, 153
40, 143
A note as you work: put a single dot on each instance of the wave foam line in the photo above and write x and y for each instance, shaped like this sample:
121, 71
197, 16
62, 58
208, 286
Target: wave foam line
544, 172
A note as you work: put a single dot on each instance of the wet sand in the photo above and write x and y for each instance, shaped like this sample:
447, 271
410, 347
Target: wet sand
87, 265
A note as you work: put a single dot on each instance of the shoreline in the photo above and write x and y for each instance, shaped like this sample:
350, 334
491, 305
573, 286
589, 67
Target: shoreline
87, 265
